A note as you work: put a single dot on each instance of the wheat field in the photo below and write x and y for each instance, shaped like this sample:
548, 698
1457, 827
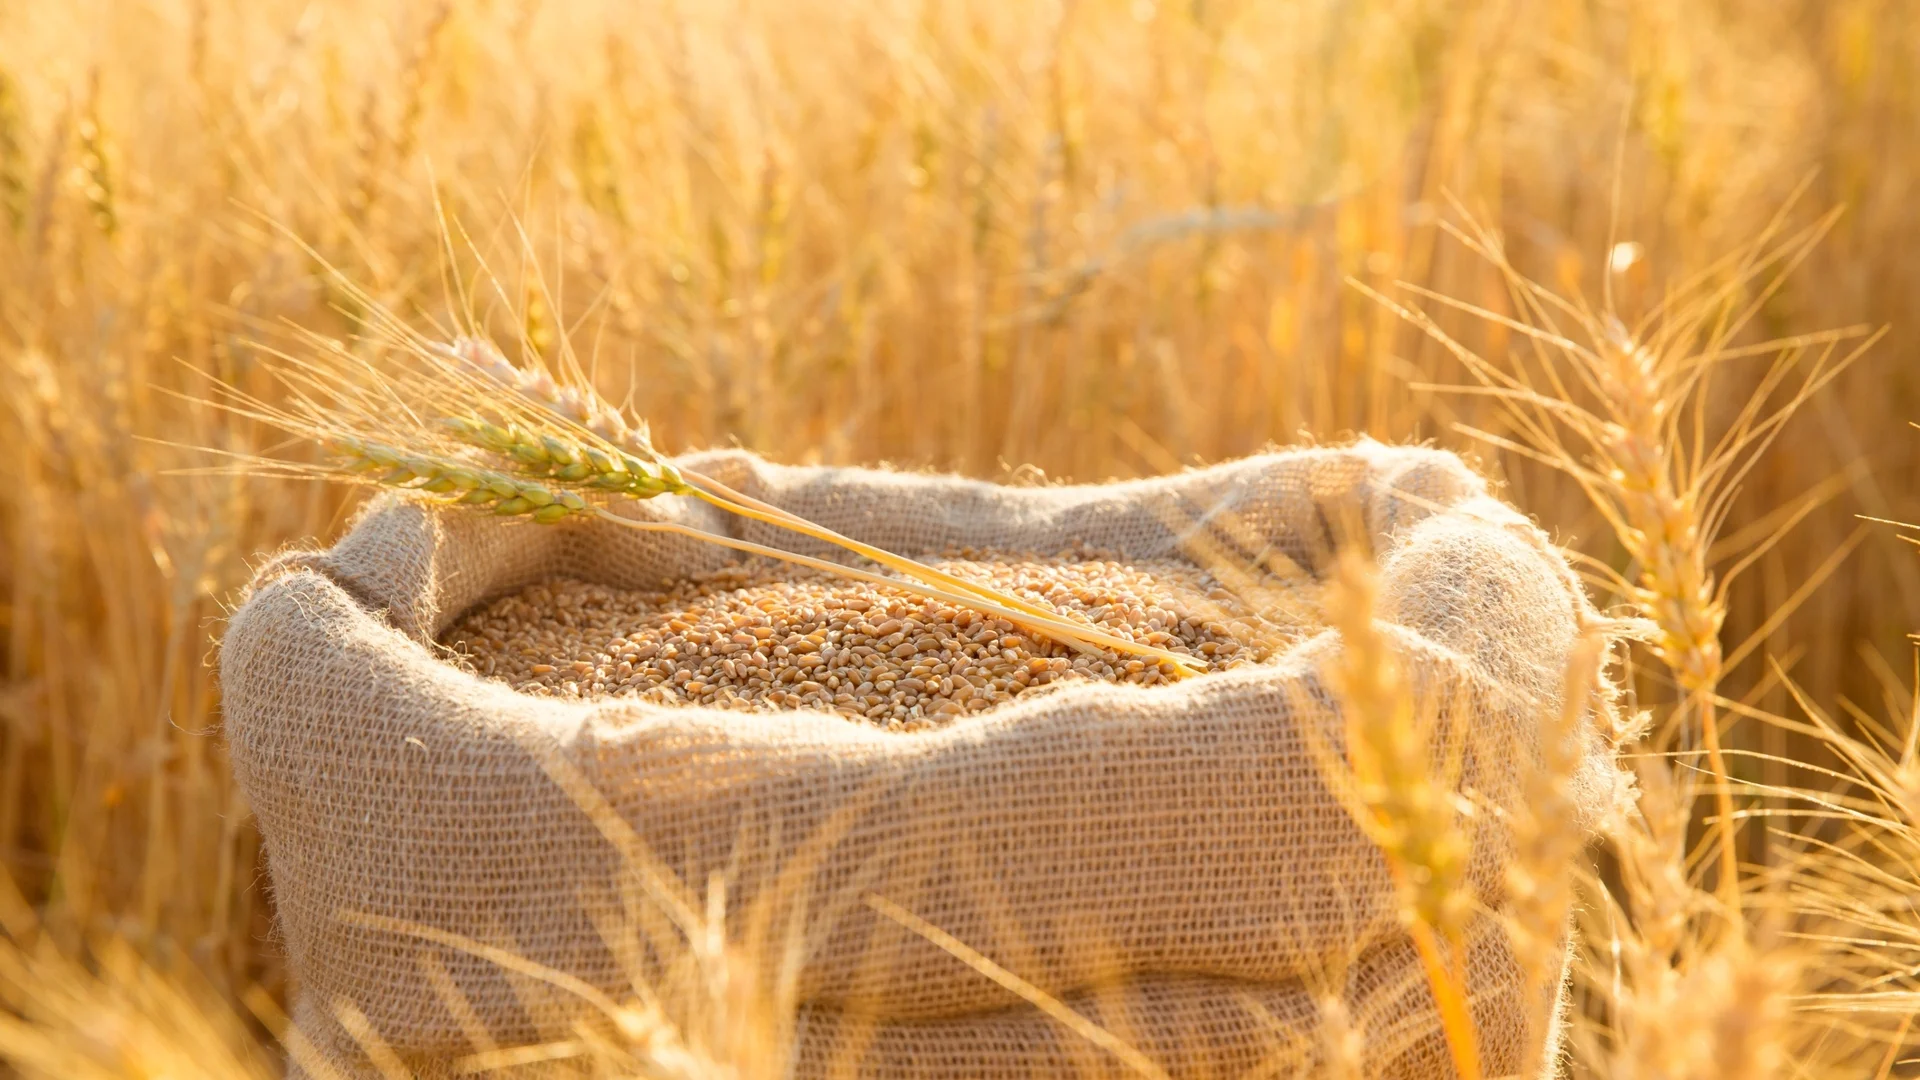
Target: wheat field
1032, 242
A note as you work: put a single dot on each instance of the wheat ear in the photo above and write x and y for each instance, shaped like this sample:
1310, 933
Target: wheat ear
628, 464
1394, 795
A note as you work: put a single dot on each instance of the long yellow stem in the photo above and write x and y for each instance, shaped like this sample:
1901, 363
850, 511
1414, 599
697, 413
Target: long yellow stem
1070, 634
1134, 1060
1723, 801
1446, 978
746, 506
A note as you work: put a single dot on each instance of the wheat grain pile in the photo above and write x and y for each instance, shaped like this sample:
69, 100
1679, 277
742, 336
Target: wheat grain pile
765, 635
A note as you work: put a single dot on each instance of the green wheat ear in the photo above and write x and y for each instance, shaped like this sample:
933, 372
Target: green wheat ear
549, 447
463, 483
536, 387
568, 461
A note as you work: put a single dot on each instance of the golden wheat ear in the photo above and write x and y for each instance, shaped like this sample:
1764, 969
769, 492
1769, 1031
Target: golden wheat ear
1388, 784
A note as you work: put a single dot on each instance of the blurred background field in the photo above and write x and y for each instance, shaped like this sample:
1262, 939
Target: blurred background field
1033, 242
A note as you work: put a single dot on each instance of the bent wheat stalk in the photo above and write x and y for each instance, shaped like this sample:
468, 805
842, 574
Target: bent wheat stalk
462, 423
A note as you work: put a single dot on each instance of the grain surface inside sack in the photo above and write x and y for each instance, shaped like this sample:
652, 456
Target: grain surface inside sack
768, 635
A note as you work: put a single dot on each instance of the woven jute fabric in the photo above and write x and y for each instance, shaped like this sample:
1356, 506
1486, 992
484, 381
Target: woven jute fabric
1169, 861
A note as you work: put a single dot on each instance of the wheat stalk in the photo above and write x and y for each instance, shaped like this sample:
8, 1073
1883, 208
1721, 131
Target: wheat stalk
626, 462
1547, 838
1394, 795
1649, 466
462, 423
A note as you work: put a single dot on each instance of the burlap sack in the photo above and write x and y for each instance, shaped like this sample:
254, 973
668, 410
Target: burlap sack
1167, 860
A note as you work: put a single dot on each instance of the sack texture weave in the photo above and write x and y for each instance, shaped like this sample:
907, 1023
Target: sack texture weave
1168, 861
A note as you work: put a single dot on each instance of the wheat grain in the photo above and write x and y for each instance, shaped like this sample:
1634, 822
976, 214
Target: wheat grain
463, 483
762, 636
